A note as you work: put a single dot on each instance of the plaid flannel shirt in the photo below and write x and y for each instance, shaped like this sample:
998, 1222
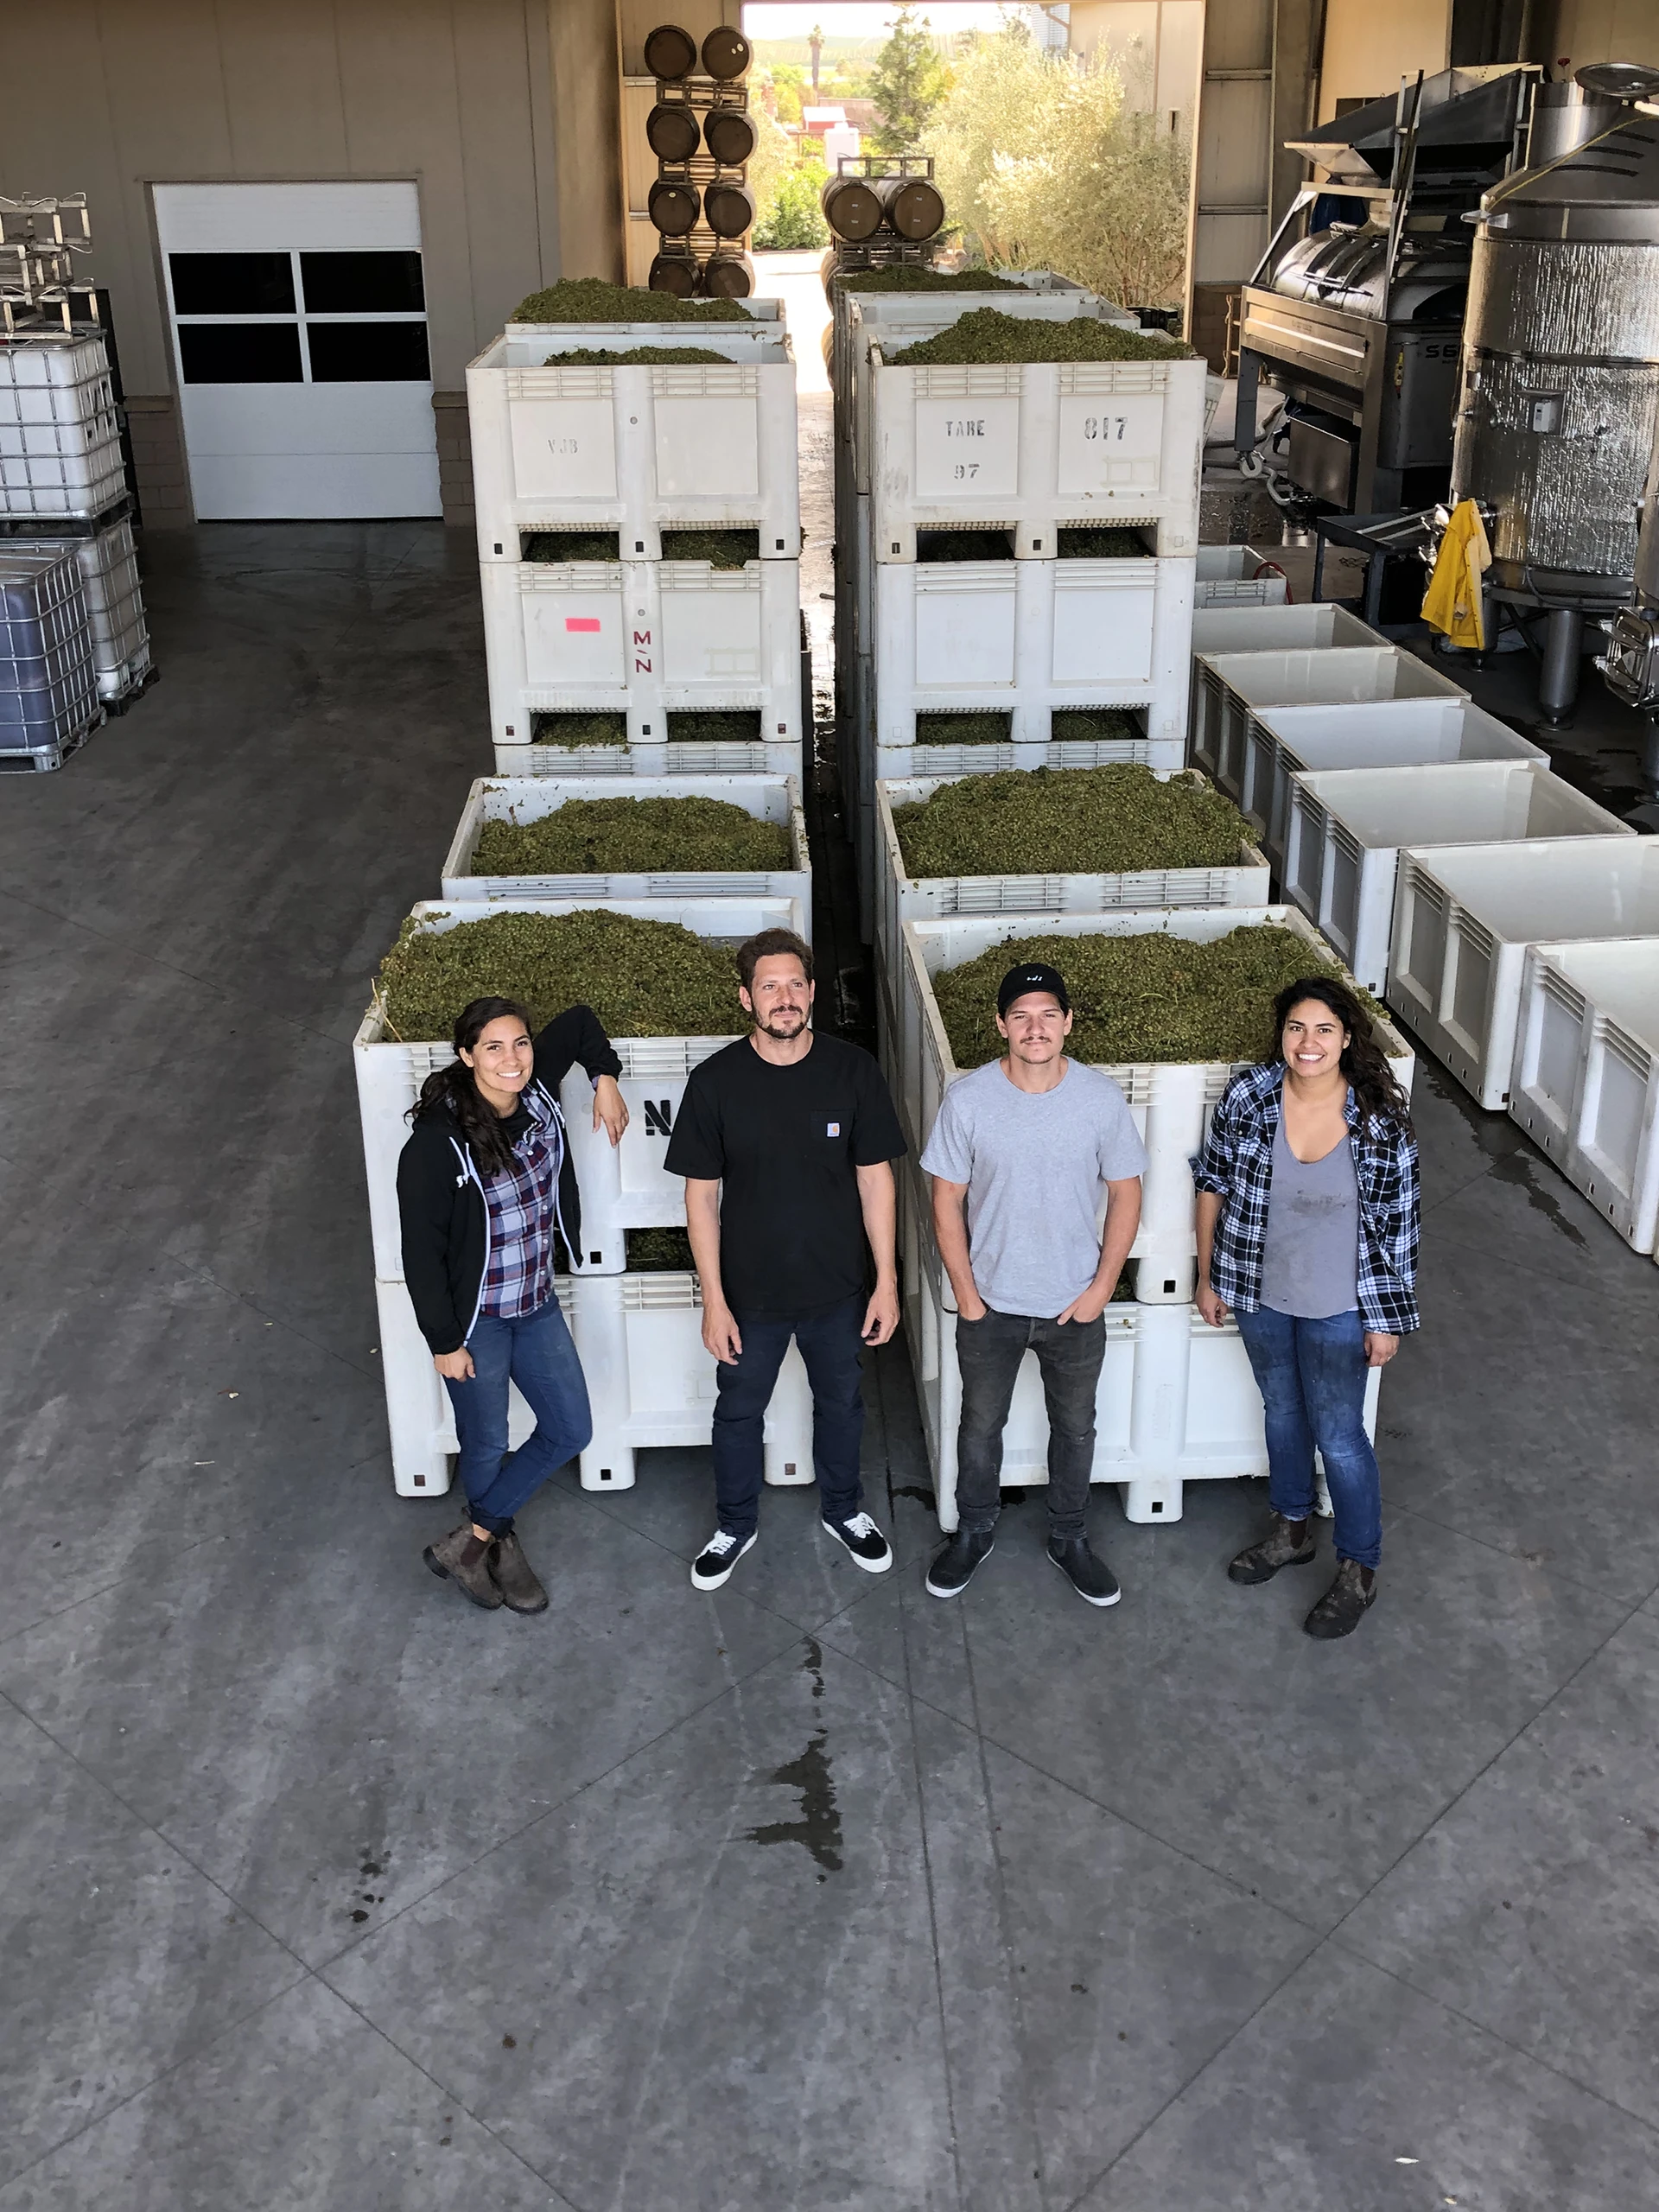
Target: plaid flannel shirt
523, 1206
1235, 1163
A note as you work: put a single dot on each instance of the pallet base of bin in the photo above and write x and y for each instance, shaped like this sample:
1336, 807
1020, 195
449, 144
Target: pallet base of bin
45, 758
649, 1383
135, 689
737, 758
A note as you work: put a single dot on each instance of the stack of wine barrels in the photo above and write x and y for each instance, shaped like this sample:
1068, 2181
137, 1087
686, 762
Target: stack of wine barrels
702, 136
860, 209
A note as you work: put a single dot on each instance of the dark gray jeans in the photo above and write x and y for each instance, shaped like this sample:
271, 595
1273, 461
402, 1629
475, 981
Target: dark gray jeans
989, 1353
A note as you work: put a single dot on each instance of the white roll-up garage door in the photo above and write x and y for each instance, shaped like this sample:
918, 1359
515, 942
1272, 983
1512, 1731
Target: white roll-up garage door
298, 313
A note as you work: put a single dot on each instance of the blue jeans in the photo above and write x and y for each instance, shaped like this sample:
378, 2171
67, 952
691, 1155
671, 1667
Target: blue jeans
830, 1347
535, 1352
1311, 1377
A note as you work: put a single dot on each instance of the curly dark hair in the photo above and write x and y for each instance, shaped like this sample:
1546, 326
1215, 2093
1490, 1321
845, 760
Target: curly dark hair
1377, 1093
455, 1087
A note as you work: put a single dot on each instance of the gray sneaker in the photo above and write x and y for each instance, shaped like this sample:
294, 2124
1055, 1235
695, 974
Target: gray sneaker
1288, 1543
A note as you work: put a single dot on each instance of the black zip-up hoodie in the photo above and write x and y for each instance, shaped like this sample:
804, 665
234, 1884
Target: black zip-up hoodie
446, 1217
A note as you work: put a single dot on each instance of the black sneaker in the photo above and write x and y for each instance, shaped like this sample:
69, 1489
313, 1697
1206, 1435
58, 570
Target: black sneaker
865, 1541
1340, 1610
713, 1563
1091, 1577
953, 1570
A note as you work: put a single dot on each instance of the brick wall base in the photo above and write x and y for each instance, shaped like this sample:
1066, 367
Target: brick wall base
158, 461
455, 459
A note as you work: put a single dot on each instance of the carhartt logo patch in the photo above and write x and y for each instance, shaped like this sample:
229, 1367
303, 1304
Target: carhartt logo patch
832, 1129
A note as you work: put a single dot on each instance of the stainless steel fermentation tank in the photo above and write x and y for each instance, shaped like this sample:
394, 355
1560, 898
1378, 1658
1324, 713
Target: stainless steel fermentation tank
1354, 316
1559, 402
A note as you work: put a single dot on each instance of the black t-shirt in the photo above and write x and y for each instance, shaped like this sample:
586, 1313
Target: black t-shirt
786, 1142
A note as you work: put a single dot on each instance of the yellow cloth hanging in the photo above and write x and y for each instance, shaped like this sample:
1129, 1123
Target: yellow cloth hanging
1452, 602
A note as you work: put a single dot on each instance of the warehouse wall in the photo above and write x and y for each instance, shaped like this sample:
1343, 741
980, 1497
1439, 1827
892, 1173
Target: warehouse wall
1567, 33
459, 95
1369, 49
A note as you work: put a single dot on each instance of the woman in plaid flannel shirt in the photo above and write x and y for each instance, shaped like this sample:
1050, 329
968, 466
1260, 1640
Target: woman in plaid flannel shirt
1307, 1232
483, 1183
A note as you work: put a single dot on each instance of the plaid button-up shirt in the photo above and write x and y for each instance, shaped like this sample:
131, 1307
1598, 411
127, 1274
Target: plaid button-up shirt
523, 1205
1236, 1164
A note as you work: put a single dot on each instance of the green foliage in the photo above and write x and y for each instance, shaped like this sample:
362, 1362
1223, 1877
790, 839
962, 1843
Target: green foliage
916, 279
1091, 725
604, 727
1044, 164
722, 549
649, 356
713, 726
983, 334
590, 299
642, 979
991, 726
568, 545
1139, 998
1097, 541
792, 220
1069, 822
613, 836
907, 83
937, 546
654, 1251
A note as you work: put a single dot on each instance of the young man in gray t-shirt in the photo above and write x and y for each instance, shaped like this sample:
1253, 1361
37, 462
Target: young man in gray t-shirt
1018, 1156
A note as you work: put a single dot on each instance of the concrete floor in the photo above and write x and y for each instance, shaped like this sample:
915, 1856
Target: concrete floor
323, 1890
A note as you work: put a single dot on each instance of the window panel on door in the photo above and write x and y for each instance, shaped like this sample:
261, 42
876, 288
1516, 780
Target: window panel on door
232, 283
368, 353
240, 352
362, 283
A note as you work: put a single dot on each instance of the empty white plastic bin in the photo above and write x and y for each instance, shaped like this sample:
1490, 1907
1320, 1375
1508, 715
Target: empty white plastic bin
1237, 577
1346, 827
1585, 1086
1464, 916
1393, 734
1231, 691
623, 1186
1171, 1102
903, 898
531, 799
636, 448
650, 1382
643, 639
1218, 627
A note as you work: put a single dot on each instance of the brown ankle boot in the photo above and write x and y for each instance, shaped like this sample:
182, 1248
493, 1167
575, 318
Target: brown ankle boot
515, 1577
464, 1559
1288, 1543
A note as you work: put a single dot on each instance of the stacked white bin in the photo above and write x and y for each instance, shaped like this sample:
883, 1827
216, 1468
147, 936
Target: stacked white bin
1176, 1403
650, 1380
633, 451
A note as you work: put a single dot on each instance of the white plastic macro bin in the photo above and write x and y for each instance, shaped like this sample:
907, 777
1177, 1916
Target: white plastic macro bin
1237, 577
1218, 627
1171, 1102
623, 1186
1176, 1401
1586, 1086
637, 450
650, 1382
1034, 447
1464, 916
1030, 636
643, 638
1346, 827
902, 897
652, 761
531, 799
60, 437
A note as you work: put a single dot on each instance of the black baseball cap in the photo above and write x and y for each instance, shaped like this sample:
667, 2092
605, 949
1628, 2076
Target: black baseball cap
1032, 975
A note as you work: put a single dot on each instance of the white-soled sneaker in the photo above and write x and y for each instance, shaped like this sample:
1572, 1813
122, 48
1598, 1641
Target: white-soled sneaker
713, 1563
865, 1541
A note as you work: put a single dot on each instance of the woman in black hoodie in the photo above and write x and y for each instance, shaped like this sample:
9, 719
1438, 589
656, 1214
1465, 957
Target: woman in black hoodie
483, 1183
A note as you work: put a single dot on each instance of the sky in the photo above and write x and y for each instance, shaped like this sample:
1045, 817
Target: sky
861, 18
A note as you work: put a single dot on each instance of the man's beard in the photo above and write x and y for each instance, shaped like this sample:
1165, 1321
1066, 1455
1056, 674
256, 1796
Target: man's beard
768, 1022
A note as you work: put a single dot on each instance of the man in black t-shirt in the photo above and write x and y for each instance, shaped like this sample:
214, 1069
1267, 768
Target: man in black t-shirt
786, 1141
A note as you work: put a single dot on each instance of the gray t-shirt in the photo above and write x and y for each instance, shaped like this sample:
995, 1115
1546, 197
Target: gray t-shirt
1033, 1164
1310, 1247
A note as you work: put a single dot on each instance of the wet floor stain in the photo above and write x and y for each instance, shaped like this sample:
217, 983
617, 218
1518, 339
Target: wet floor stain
1512, 1159
922, 1495
818, 1828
